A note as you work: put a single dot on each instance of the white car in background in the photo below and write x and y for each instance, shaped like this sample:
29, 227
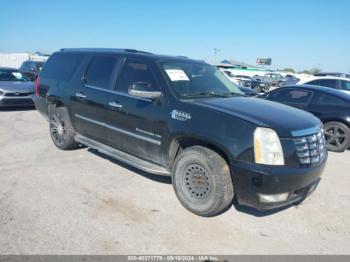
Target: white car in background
240, 80
339, 83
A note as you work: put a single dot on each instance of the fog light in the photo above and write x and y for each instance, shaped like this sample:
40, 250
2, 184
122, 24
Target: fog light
273, 198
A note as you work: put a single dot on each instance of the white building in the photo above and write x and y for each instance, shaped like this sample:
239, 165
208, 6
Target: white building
15, 60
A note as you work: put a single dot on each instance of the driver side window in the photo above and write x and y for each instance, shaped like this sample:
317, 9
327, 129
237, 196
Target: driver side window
135, 71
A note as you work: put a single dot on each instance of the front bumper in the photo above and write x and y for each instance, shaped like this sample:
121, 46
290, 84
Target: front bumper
8, 101
251, 180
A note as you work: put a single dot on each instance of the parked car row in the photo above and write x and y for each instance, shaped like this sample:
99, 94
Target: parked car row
254, 83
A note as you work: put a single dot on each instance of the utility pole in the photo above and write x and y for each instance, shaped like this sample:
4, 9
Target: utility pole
216, 51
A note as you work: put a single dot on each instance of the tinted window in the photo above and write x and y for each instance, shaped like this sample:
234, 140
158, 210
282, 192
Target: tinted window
314, 82
133, 72
345, 85
11, 75
328, 83
327, 100
100, 71
61, 66
291, 96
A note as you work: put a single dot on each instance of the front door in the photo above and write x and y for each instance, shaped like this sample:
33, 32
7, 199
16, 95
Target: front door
136, 125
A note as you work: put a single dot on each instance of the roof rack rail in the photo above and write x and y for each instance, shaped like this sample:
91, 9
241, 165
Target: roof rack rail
105, 49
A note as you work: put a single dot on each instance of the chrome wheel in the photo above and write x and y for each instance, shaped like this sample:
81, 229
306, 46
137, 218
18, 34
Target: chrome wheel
58, 128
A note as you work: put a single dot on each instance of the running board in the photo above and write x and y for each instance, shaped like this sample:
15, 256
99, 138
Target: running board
123, 157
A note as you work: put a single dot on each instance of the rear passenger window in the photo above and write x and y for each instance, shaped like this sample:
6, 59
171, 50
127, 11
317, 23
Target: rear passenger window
345, 85
61, 66
327, 100
100, 70
328, 83
315, 82
133, 72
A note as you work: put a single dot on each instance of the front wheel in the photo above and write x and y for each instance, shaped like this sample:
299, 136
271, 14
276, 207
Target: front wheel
61, 129
337, 136
202, 181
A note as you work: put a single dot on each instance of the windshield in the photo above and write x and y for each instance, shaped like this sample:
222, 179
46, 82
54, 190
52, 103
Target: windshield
192, 79
11, 75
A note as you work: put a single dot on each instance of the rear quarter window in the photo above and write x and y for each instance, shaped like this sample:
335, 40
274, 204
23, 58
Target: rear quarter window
327, 100
61, 66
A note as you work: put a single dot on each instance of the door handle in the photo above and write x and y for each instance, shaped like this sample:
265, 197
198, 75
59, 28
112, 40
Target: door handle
80, 95
115, 104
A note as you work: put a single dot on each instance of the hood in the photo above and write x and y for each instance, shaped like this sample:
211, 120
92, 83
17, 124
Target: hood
20, 87
285, 120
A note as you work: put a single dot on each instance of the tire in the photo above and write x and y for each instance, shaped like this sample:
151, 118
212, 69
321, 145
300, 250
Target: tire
202, 181
337, 136
61, 129
258, 88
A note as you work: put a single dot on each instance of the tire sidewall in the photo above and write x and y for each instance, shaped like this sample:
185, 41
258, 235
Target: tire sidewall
347, 133
203, 207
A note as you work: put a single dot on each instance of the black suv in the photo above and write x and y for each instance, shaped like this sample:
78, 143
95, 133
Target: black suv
182, 118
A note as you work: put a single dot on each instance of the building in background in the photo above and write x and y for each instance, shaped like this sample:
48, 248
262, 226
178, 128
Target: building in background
15, 60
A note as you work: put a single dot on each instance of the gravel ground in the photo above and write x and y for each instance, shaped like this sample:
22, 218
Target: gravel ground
80, 202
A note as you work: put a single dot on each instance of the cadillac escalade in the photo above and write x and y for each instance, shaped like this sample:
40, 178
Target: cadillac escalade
182, 118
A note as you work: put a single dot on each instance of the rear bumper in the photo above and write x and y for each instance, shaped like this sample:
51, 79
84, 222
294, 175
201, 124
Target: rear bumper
253, 181
10, 101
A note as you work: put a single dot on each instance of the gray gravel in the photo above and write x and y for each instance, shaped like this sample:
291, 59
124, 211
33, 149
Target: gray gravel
79, 202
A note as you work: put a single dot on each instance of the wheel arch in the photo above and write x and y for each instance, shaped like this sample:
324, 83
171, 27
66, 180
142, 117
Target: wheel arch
179, 143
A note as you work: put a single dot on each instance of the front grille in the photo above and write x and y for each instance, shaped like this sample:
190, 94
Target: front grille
310, 149
18, 94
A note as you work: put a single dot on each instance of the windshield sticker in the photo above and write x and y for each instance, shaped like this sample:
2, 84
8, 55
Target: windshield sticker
17, 75
177, 75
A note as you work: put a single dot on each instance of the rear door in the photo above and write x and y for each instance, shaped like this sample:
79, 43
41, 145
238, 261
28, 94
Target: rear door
88, 102
135, 125
326, 106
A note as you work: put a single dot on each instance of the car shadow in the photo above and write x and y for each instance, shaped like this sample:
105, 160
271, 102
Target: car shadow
167, 180
17, 108
156, 178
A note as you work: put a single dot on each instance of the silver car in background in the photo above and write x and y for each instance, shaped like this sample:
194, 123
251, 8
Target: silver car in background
15, 89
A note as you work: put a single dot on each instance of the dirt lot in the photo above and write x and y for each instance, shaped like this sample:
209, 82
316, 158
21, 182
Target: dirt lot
79, 202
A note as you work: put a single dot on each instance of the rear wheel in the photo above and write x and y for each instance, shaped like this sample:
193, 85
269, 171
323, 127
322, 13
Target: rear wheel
61, 130
202, 181
337, 136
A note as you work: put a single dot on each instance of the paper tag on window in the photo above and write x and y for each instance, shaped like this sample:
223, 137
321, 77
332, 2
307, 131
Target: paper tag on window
177, 75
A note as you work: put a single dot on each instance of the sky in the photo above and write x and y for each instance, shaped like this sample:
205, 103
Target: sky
301, 34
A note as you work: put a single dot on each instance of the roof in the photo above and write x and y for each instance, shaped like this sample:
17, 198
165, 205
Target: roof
322, 89
321, 77
130, 51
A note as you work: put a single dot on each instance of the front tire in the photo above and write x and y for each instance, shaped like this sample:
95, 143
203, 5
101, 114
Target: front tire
61, 129
337, 136
202, 181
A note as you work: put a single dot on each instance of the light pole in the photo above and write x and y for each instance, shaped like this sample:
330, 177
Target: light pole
216, 51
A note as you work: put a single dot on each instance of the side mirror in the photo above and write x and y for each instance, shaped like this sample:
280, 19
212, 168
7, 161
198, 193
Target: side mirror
143, 90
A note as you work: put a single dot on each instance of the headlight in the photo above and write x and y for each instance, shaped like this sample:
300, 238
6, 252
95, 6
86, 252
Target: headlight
267, 147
